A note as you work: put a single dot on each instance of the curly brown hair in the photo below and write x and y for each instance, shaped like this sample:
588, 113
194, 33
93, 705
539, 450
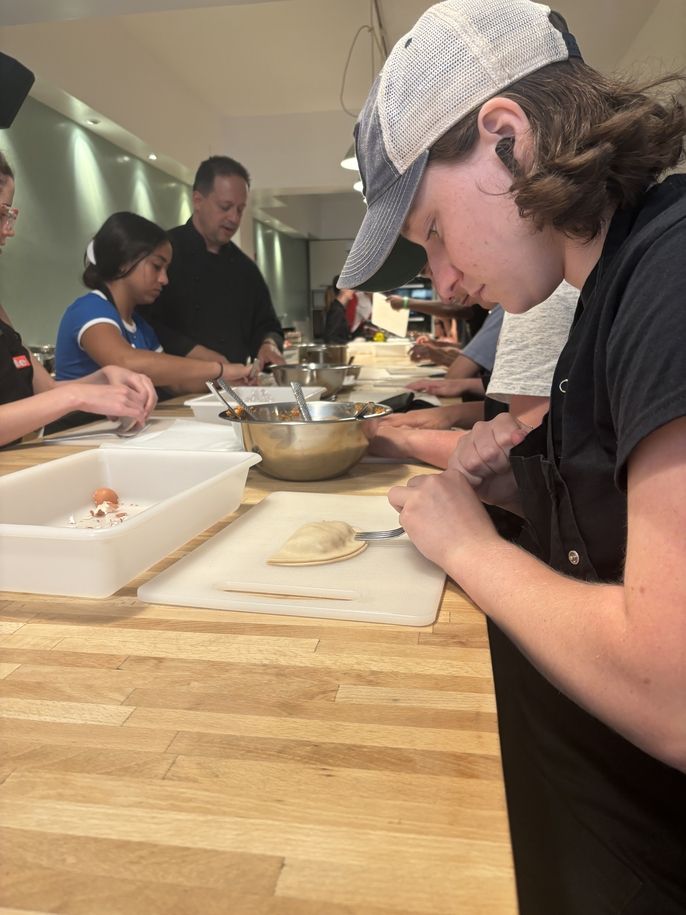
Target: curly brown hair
598, 143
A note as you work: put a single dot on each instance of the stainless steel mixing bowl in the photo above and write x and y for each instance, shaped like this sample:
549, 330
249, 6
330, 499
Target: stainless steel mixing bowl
329, 353
293, 449
330, 377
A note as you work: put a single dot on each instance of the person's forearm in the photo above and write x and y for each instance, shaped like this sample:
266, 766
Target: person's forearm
435, 307
463, 367
204, 352
23, 416
180, 374
466, 414
433, 446
578, 635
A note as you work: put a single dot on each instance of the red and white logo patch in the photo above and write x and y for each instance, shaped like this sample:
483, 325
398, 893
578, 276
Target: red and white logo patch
21, 362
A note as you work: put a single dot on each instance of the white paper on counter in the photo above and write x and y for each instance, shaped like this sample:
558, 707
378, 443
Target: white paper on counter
181, 435
386, 317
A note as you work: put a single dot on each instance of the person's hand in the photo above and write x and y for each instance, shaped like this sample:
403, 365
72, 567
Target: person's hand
431, 351
235, 373
396, 302
269, 353
115, 374
483, 458
114, 401
431, 418
443, 517
441, 387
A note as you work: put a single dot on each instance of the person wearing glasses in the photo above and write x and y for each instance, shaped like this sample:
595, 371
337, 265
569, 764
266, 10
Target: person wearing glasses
29, 397
489, 147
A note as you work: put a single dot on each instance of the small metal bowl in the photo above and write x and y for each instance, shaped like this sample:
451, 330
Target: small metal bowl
292, 449
323, 353
330, 377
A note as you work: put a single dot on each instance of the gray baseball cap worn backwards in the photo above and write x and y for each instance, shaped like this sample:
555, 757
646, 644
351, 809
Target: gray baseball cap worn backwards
459, 54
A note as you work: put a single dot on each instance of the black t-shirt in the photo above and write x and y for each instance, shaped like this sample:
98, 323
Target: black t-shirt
622, 374
597, 824
16, 369
219, 300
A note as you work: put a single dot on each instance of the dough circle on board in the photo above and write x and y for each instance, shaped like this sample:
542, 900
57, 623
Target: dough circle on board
317, 543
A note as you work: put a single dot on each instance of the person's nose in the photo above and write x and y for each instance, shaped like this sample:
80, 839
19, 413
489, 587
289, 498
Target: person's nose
446, 277
163, 277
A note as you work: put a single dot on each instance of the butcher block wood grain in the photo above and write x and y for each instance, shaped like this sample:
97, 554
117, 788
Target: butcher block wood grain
175, 761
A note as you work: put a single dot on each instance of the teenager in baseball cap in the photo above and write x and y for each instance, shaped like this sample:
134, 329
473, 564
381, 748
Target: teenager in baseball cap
489, 148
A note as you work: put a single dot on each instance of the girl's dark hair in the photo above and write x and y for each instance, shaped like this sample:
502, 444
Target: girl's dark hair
5, 170
598, 143
119, 245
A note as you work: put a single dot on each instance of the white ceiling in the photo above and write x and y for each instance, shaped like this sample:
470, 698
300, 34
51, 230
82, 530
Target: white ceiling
261, 79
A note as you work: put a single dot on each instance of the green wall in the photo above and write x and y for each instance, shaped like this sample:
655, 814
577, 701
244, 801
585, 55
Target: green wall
284, 262
69, 181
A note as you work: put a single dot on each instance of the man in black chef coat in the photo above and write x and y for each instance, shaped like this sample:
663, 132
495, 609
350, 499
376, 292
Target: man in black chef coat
216, 304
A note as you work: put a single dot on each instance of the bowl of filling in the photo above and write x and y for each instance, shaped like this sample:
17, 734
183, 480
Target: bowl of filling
292, 448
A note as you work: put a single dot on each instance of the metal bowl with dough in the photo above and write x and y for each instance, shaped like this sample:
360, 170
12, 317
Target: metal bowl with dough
292, 449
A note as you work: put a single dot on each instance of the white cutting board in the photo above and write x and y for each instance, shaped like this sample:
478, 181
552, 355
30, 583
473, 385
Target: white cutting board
389, 582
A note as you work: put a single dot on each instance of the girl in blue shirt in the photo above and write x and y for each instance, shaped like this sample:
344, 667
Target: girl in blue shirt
126, 266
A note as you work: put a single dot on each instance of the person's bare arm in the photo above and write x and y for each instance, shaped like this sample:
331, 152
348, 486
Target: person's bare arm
615, 649
23, 416
447, 387
105, 345
431, 307
463, 367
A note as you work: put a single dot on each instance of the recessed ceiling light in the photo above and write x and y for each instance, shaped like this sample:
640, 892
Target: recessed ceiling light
92, 121
152, 157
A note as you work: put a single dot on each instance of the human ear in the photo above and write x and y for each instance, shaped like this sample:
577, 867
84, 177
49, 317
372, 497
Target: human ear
504, 127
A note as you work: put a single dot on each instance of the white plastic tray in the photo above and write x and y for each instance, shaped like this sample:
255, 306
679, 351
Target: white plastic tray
208, 407
177, 495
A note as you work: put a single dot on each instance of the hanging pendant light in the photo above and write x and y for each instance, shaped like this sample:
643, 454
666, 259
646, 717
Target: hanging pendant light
350, 160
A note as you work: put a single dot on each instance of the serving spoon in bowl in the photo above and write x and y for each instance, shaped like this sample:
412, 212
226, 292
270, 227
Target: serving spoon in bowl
300, 400
229, 407
239, 400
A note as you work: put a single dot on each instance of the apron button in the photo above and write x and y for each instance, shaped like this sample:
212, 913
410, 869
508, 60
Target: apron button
574, 557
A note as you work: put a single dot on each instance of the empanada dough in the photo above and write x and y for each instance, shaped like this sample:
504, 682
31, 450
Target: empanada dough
317, 543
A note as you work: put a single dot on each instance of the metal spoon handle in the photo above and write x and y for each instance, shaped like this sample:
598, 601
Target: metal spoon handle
214, 390
300, 400
363, 410
239, 400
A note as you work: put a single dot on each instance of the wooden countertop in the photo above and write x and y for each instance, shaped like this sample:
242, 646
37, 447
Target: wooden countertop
166, 760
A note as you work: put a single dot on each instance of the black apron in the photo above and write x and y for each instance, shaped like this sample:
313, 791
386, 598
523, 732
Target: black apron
598, 826
16, 369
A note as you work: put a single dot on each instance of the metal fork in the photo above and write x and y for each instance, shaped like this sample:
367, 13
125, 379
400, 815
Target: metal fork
379, 535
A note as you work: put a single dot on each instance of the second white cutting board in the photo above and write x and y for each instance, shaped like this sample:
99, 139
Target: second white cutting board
389, 582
